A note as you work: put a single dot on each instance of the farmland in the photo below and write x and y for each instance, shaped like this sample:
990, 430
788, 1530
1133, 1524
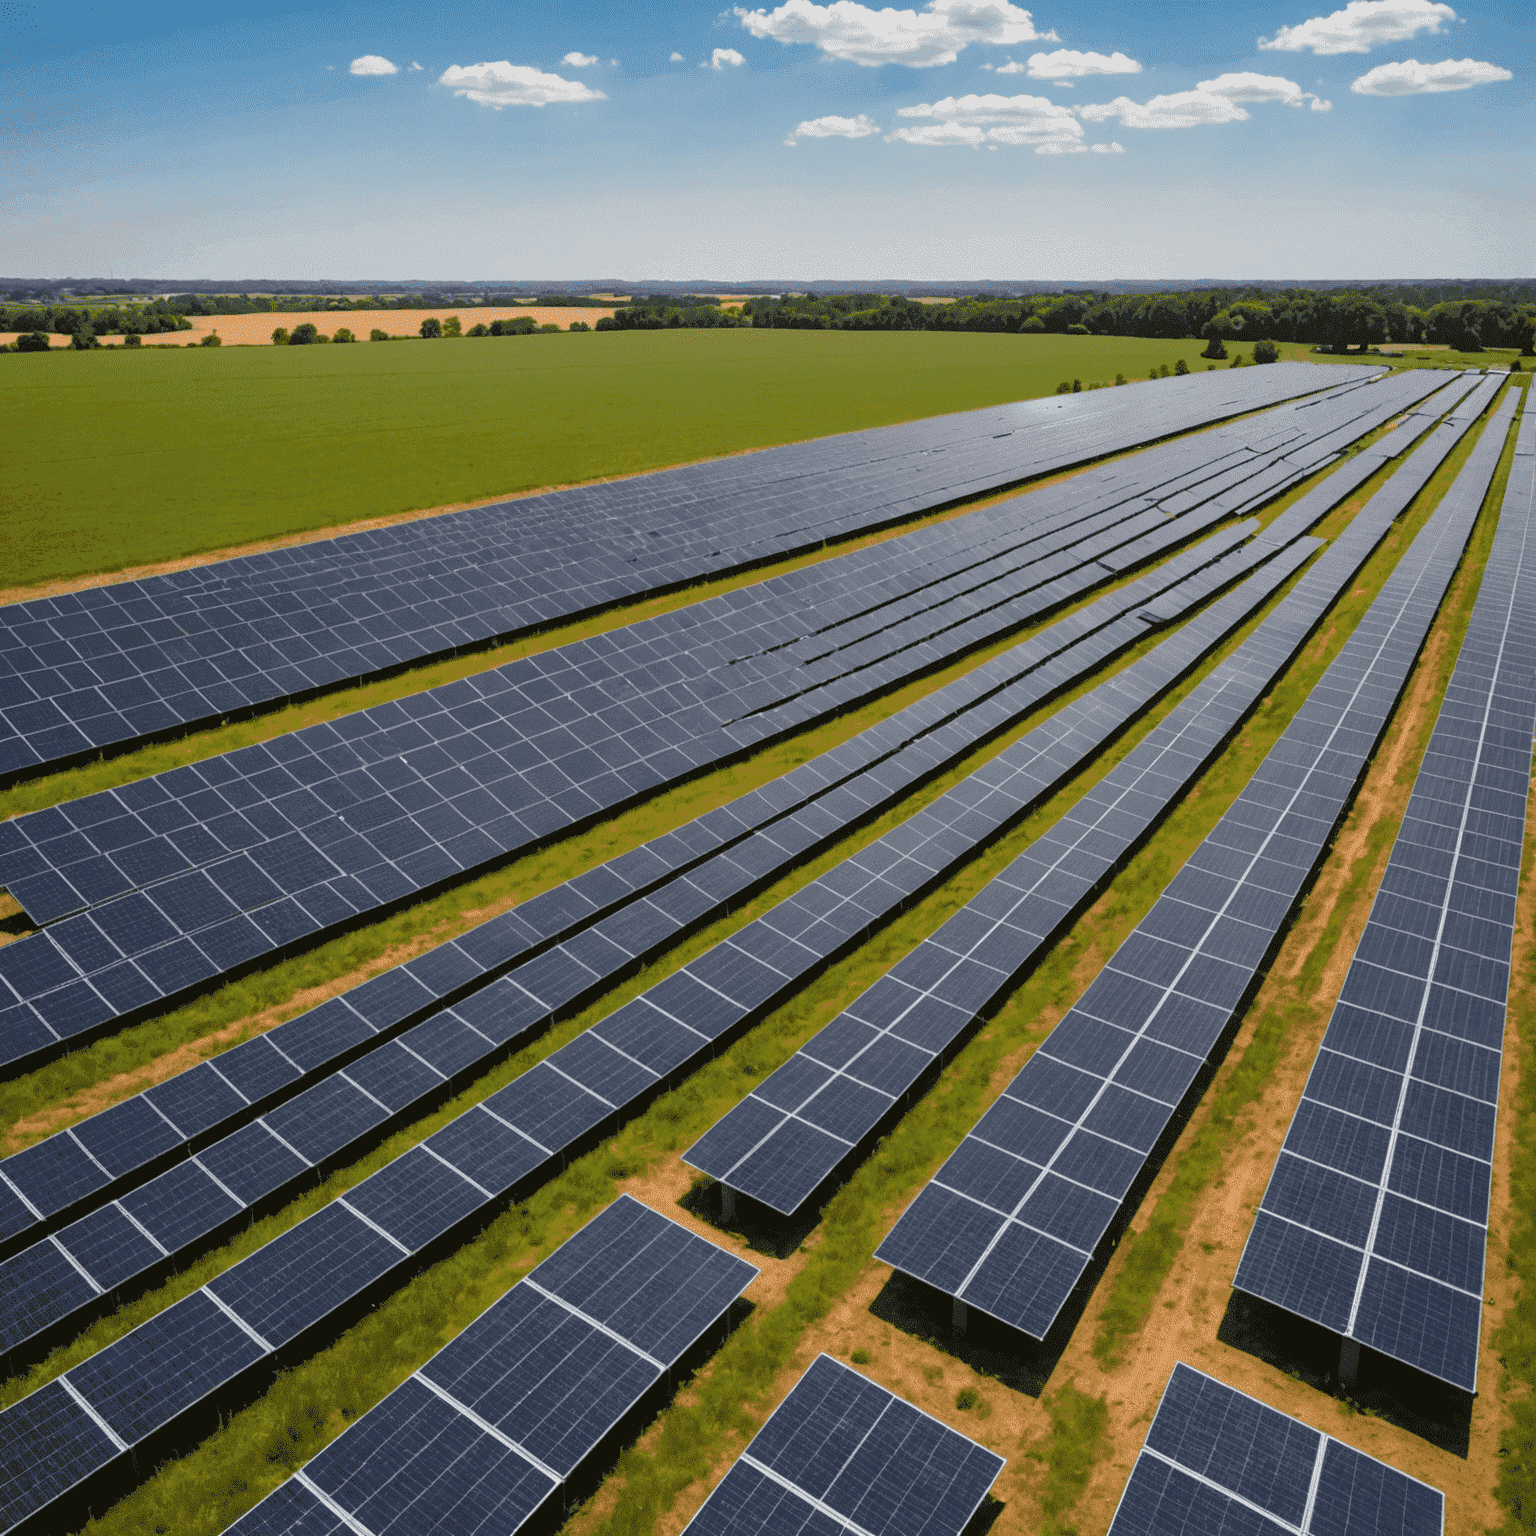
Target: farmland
143, 461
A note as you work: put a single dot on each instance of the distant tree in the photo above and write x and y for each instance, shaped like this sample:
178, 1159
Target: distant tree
451, 326
1180, 368
212, 339
303, 336
1162, 372
343, 335
1078, 330
549, 327
1032, 326
482, 329
85, 340
377, 335
579, 325
1266, 352
431, 327
1077, 386
280, 337
1119, 378
32, 341
1527, 339
1214, 348
132, 339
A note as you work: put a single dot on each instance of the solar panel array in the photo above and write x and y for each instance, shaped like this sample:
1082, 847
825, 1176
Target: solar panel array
177, 879
87, 670
841, 1454
1375, 1220
1012, 1220
807, 1120
488, 1432
1216, 1459
626, 909
48, 1291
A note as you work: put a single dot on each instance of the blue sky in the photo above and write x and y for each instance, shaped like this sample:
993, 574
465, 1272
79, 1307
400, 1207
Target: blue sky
958, 139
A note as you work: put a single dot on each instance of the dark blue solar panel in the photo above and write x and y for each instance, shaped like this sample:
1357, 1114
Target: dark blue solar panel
1216, 1459
1414, 1067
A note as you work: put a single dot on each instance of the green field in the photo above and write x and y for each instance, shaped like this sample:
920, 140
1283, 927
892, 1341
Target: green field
139, 457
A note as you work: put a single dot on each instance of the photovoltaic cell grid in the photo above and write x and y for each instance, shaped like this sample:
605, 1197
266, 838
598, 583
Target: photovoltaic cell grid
841, 1454
1216, 1459
622, 910
241, 855
1013, 1218
89, 669
1375, 1220
807, 1118
48, 1291
486, 1433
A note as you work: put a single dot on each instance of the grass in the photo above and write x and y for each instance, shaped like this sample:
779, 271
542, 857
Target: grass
1068, 1453
136, 458
1150, 1252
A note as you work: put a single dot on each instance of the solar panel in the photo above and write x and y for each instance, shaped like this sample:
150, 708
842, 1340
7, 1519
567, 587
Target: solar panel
842, 1454
114, 664
1013, 1219
1374, 1223
1216, 1459
155, 888
807, 1121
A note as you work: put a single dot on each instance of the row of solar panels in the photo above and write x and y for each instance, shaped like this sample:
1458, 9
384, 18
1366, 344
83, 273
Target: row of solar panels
644, 897
48, 1290
219, 865
301, 1287
416, 1222
802, 1125
111, 665
1375, 1220
1014, 1218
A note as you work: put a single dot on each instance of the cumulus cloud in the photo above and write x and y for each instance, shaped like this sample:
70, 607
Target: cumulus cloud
1182, 109
1016, 121
676, 58
1247, 86
859, 127
372, 64
1410, 78
722, 57
920, 39
1361, 25
513, 85
1068, 64
580, 60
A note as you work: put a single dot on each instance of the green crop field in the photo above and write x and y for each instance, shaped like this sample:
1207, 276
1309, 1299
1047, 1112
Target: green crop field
138, 457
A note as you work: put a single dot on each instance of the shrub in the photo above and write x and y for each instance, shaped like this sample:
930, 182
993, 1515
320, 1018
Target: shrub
861, 1357
1162, 372
212, 339
550, 327
1119, 378
431, 327
1266, 352
303, 336
1077, 386
966, 1399
1237, 362
451, 326
579, 325
1075, 330
519, 325
1180, 368
133, 339
377, 335
1215, 348
343, 335
1063, 389
1033, 326
85, 340
32, 341
280, 337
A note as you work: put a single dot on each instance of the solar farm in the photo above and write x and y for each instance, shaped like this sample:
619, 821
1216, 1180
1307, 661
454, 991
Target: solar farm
961, 976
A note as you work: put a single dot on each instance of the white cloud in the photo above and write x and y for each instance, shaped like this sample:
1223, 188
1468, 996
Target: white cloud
1247, 86
1361, 25
1182, 109
513, 85
859, 35
1068, 64
1410, 78
859, 127
372, 64
414, 65
580, 60
676, 58
723, 56
1017, 121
